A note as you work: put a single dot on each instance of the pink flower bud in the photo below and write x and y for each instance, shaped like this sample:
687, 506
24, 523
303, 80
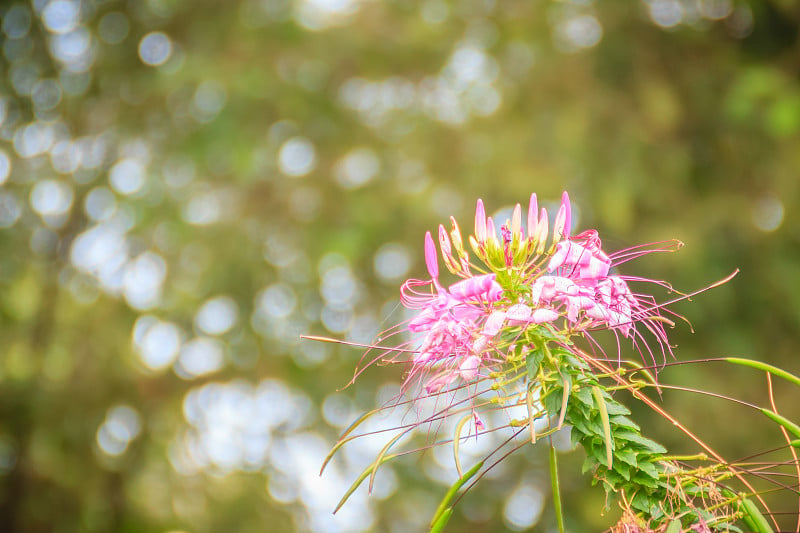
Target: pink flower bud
533, 211
518, 314
431, 261
516, 221
439, 382
568, 214
480, 222
542, 315
494, 323
468, 369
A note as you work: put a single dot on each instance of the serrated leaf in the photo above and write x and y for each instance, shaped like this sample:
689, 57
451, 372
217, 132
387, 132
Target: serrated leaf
644, 480
533, 362
583, 429
552, 401
575, 437
623, 470
584, 395
641, 502
616, 408
594, 426
637, 439
588, 465
649, 469
627, 456
624, 421
614, 478
598, 450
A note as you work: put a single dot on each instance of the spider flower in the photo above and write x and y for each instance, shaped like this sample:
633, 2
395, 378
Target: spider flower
512, 325
566, 286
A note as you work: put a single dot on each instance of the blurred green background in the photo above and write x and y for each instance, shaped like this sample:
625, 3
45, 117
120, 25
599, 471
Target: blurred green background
188, 186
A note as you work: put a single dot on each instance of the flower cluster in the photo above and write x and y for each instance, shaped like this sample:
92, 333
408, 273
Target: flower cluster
565, 285
513, 322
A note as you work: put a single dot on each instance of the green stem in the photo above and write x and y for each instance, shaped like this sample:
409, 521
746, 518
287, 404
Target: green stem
556, 488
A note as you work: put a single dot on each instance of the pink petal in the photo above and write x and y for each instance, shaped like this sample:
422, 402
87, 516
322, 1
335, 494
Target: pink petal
477, 287
439, 382
568, 208
431, 261
494, 323
469, 367
516, 220
533, 211
480, 222
518, 314
544, 315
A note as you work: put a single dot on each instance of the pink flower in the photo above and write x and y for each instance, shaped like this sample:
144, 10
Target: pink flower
494, 323
468, 369
477, 288
439, 382
580, 258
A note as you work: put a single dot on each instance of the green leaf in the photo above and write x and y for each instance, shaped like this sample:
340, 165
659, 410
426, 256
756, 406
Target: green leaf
584, 395
533, 362
644, 479
589, 464
649, 469
583, 430
552, 401
598, 450
623, 470
595, 425
637, 439
627, 456
614, 478
624, 421
615, 408
641, 502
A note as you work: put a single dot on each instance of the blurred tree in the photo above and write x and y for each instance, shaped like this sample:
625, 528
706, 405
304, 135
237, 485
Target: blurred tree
186, 187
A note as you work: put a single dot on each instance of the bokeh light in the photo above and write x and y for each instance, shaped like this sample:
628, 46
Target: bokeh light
186, 189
